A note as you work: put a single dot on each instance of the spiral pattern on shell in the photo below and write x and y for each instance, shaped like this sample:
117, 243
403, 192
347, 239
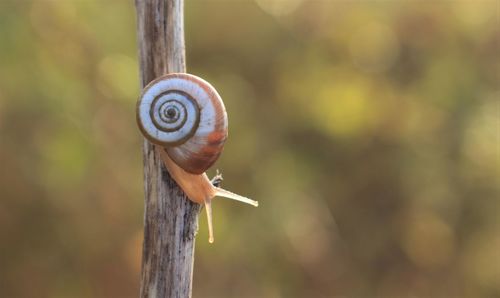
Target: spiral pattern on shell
185, 115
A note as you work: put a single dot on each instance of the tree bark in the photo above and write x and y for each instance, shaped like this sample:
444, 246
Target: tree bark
170, 219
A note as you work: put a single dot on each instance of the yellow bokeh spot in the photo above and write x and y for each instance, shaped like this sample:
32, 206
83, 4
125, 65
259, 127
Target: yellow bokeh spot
481, 256
279, 7
374, 48
344, 109
428, 240
482, 138
118, 77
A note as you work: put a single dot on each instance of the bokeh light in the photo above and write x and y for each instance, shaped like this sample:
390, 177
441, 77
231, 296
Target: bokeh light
369, 131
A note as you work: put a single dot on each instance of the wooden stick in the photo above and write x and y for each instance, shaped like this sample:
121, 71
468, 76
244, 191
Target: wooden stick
170, 219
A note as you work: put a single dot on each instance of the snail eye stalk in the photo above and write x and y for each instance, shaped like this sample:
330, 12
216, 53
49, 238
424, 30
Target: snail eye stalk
185, 117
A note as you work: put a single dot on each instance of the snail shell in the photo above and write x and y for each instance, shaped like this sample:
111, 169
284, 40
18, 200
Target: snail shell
184, 114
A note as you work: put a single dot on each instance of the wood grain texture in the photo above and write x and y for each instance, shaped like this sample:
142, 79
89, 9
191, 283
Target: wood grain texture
170, 219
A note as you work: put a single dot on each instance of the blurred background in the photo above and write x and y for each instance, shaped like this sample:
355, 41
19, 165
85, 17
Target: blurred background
368, 130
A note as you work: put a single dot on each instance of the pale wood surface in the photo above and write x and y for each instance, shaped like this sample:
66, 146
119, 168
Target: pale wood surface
170, 219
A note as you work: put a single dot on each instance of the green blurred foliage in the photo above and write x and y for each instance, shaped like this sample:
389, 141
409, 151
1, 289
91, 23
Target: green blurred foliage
368, 130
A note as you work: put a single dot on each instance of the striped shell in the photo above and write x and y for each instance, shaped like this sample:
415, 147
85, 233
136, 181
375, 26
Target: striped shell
186, 115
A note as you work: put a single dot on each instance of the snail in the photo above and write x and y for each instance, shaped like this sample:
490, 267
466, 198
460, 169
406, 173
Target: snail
184, 116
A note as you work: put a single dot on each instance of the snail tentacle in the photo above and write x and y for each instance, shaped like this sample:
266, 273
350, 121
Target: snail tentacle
185, 118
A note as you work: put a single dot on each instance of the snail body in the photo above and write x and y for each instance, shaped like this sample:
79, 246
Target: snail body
184, 116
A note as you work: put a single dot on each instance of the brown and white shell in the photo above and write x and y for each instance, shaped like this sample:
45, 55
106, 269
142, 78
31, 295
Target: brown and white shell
184, 114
